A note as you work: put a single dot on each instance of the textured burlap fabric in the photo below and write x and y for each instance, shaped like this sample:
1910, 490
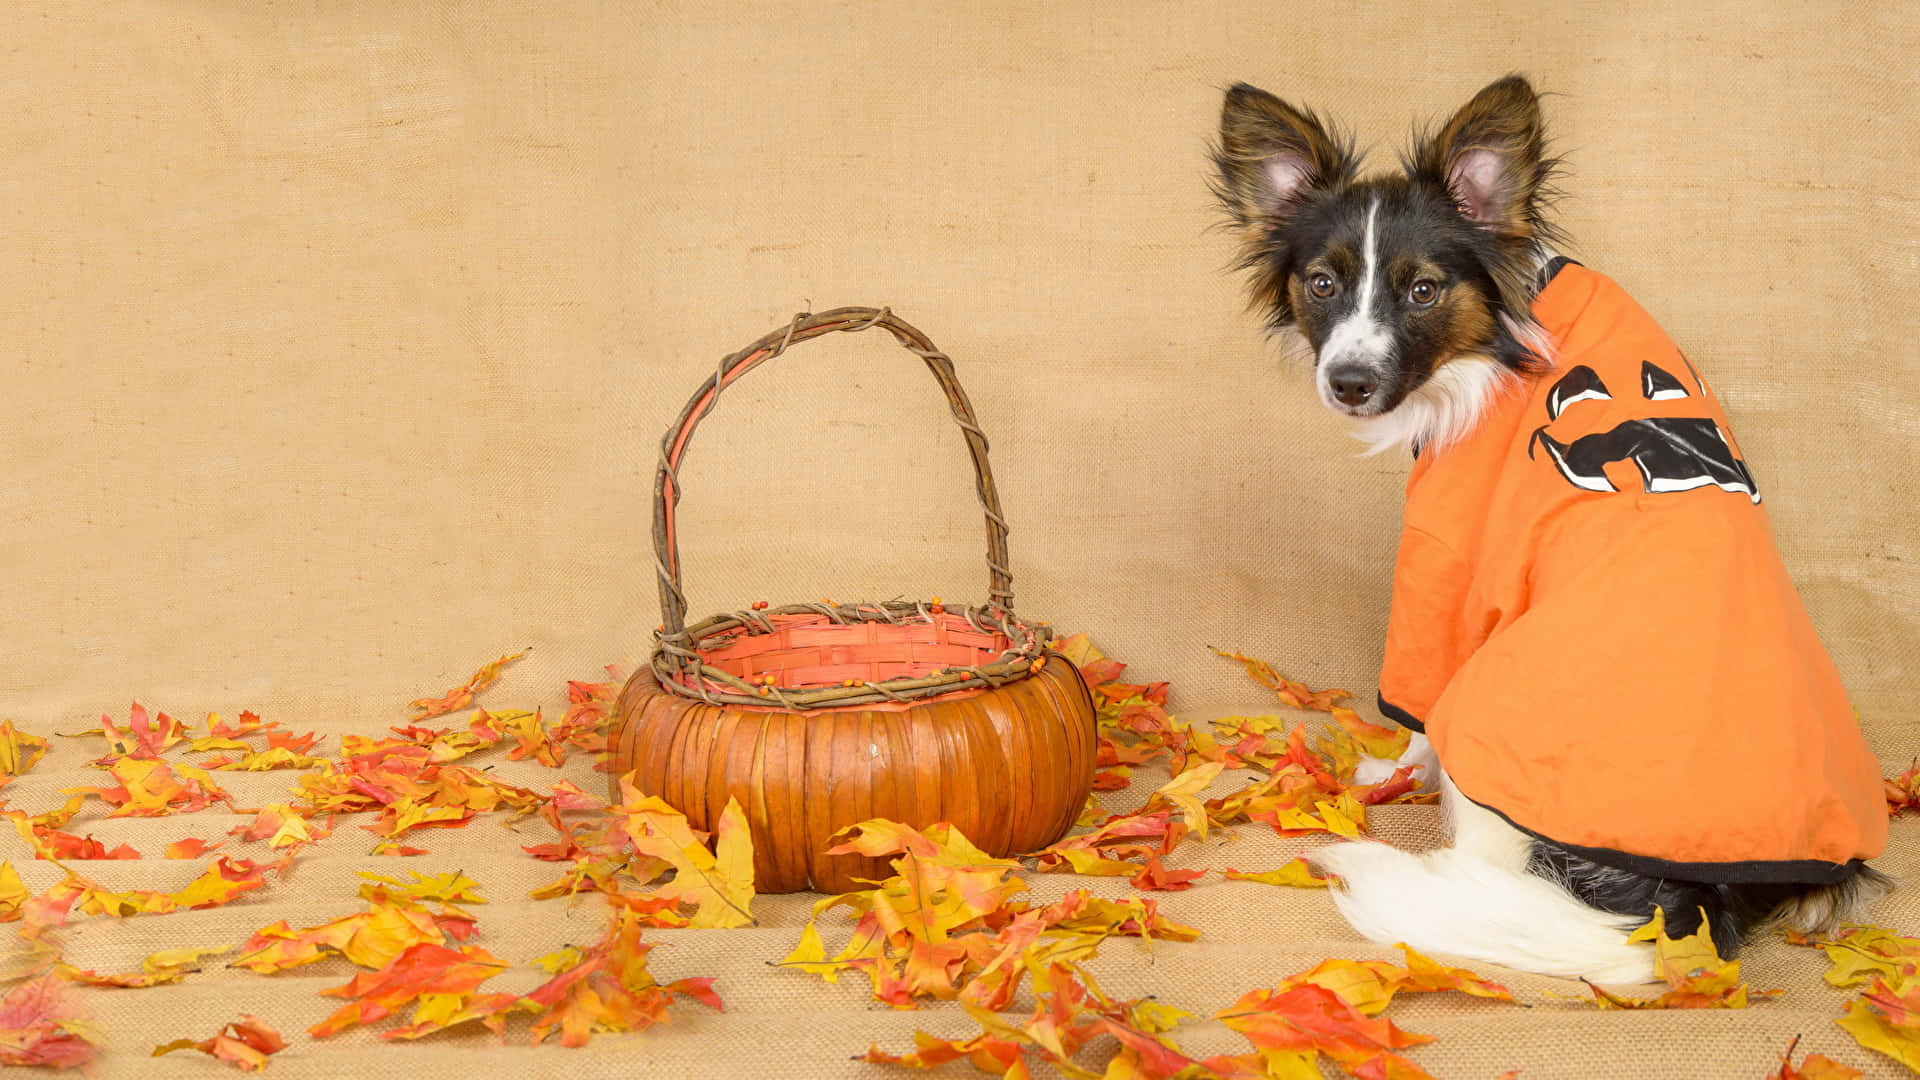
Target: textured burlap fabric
339, 339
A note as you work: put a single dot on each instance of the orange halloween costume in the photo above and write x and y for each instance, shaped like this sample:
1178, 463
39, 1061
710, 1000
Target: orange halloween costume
1593, 625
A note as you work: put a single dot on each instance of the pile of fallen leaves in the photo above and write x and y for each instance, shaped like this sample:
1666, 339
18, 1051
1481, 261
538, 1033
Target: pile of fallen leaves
950, 924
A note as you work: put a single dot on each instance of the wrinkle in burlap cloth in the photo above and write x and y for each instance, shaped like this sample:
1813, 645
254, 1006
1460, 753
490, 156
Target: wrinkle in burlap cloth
337, 337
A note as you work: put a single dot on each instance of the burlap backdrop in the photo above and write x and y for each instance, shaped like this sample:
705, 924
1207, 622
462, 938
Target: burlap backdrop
338, 339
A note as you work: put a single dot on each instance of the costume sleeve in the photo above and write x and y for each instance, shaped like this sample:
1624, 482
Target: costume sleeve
1426, 630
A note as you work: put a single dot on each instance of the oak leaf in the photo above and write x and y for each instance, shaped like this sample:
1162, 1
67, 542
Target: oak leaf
717, 883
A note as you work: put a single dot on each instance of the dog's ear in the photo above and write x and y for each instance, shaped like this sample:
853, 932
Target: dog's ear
1270, 154
1491, 157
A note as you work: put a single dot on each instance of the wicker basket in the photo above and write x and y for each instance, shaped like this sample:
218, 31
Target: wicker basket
816, 716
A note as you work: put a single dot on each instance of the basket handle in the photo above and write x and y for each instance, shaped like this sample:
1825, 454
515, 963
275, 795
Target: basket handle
666, 484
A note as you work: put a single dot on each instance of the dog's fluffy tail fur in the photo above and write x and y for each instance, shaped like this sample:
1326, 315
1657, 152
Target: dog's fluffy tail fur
1477, 900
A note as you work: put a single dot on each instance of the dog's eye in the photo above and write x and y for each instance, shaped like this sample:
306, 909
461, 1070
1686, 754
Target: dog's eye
1423, 292
1322, 286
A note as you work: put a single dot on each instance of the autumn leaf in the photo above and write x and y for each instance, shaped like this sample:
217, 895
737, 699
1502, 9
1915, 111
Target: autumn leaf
423, 969
1815, 1067
1691, 967
607, 988
1183, 793
589, 712
1070, 1012
371, 939
1903, 791
1157, 877
462, 696
224, 880
1861, 953
1312, 1018
13, 893
531, 738
1296, 874
1375, 740
190, 848
279, 757
144, 737
717, 883
150, 787
38, 1028
946, 923
1887, 1018
166, 966
246, 1043
18, 751
48, 843
450, 888
1289, 692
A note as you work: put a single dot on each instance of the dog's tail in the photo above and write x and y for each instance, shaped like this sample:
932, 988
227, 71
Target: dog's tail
1461, 902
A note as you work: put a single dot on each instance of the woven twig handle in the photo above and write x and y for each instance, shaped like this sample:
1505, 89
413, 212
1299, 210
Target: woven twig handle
666, 486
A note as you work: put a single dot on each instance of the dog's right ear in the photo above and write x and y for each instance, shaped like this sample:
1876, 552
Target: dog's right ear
1270, 154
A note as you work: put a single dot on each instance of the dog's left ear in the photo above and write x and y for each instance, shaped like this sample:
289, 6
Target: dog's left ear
1490, 157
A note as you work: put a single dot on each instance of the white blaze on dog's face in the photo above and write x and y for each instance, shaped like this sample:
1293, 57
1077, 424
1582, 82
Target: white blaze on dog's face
1410, 289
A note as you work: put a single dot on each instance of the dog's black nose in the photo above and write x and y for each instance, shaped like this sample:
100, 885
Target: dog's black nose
1352, 386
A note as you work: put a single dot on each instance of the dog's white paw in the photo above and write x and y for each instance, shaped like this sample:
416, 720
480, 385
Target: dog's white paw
1372, 770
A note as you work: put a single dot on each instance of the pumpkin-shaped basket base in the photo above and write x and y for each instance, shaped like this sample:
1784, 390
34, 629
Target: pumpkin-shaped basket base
1010, 767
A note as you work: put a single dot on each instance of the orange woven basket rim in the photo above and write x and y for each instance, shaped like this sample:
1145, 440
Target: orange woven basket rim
681, 662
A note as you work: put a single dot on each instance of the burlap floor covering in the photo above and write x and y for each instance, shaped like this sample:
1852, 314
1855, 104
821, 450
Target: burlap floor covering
338, 338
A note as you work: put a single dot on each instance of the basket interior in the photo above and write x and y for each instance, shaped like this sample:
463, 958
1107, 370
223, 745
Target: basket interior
809, 651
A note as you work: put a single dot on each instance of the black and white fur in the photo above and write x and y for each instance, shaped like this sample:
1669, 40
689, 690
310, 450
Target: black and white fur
1411, 292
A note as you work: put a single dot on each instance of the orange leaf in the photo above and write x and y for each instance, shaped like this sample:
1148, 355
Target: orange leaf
245, 1042
1159, 878
462, 696
421, 970
145, 737
371, 939
190, 848
1289, 692
1815, 1067
1903, 791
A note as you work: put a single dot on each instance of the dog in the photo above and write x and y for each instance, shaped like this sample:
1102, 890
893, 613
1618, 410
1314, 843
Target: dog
1607, 672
